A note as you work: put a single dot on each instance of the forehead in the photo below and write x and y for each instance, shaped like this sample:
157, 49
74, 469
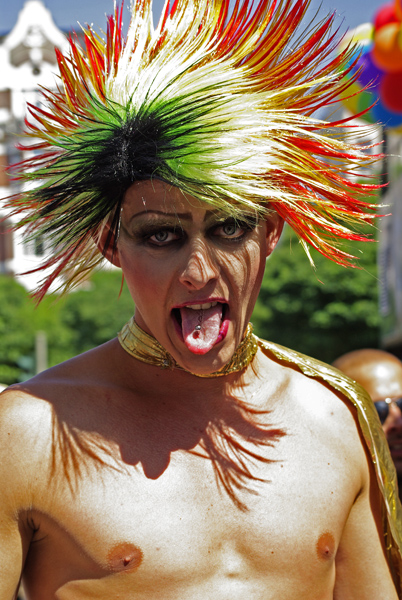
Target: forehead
159, 196
380, 379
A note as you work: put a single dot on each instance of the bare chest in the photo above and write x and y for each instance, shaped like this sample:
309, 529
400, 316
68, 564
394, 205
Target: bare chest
227, 516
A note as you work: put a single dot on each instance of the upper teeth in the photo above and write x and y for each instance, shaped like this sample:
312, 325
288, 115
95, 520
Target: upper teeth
202, 306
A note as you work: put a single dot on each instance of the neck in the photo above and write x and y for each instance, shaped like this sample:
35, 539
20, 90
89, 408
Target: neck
147, 349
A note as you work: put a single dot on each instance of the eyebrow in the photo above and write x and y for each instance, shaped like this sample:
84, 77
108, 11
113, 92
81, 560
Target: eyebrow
176, 215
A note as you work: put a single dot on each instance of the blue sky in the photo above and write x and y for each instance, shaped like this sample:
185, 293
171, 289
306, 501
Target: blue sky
66, 13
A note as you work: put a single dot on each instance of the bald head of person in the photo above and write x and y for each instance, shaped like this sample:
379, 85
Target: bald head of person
380, 373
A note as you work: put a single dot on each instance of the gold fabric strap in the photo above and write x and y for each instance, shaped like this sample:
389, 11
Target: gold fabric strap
147, 349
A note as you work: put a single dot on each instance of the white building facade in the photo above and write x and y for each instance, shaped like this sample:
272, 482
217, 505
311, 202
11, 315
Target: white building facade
27, 61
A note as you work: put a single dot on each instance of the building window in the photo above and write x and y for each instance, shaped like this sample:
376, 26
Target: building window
4, 178
5, 99
6, 242
36, 247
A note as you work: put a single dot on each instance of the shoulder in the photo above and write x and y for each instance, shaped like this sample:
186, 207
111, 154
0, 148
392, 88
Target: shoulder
312, 382
94, 367
323, 400
316, 382
25, 440
29, 411
22, 413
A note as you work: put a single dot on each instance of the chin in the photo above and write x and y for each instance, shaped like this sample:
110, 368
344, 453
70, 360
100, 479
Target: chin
208, 362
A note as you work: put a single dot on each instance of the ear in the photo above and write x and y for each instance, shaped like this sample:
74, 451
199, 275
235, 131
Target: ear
107, 247
274, 225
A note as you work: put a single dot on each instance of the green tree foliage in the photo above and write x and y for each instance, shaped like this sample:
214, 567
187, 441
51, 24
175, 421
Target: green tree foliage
19, 322
74, 324
13, 325
95, 315
323, 312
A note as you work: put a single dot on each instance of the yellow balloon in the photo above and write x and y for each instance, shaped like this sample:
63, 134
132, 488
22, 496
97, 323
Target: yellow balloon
351, 103
361, 35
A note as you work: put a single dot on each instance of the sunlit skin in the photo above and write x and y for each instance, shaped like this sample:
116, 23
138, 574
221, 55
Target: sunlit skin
129, 481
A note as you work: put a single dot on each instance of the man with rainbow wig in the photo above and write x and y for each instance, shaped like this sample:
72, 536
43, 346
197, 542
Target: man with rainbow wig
188, 459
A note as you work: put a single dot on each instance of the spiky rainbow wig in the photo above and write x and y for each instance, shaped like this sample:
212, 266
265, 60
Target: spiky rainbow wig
218, 104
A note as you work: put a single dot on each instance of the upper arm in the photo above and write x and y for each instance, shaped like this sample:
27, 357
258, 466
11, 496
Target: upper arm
11, 553
17, 463
362, 571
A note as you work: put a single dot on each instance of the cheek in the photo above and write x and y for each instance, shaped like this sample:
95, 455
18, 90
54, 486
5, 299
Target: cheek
143, 278
393, 418
249, 266
245, 270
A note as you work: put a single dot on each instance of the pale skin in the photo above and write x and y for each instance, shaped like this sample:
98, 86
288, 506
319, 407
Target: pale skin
110, 467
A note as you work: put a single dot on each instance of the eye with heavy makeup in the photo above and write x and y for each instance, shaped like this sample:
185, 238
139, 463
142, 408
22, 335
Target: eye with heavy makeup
163, 233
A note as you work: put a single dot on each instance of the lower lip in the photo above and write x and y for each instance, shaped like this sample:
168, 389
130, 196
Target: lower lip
222, 332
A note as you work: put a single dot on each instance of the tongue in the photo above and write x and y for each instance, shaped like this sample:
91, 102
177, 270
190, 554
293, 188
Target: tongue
202, 340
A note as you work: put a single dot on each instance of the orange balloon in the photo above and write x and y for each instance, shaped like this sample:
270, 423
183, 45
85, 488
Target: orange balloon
398, 9
386, 52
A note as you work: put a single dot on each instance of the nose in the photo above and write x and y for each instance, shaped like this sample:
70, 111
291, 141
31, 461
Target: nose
393, 423
200, 266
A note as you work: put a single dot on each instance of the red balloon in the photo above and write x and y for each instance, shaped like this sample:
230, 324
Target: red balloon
391, 91
386, 14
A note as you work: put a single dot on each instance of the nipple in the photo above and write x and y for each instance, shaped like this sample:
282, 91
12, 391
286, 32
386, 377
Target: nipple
124, 557
326, 546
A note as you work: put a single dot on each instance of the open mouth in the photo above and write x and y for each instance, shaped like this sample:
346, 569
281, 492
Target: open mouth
202, 326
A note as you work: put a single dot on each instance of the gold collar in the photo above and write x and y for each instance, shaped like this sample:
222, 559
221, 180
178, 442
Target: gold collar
146, 348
